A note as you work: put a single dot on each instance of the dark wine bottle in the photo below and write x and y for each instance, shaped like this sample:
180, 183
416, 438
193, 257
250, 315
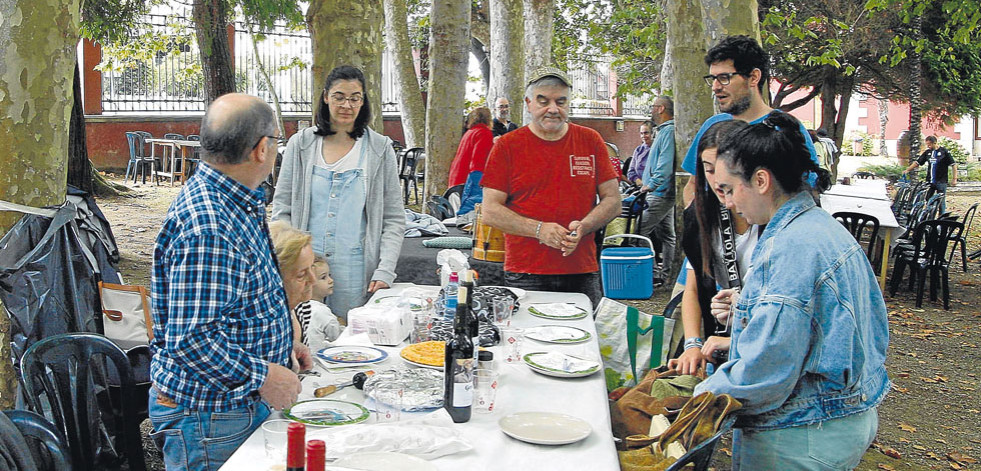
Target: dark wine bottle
295, 444
458, 365
473, 323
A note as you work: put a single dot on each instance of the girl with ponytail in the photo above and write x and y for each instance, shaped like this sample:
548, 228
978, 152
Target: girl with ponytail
809, 328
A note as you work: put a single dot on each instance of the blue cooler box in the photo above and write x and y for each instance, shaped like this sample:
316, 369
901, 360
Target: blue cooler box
628, 272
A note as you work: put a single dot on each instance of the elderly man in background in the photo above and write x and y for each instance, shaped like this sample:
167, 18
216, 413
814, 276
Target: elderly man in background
541, 187
222, 332
502, 114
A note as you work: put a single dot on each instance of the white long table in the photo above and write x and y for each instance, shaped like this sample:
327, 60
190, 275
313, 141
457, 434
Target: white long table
889, 228
521, 390
859, 188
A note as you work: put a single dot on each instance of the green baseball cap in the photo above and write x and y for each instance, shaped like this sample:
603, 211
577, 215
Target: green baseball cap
547, 71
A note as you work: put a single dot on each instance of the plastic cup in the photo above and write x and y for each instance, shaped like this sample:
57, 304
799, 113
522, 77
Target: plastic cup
388, 406
503, 309
274, 434
486, 383
511, 340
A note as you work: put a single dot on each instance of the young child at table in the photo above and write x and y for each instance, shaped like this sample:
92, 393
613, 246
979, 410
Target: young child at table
320, 325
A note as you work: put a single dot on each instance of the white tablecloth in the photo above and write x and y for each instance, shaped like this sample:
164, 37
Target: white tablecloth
870, 189
521, 390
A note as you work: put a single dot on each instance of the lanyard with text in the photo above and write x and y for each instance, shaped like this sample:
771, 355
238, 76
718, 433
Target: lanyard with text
729, 258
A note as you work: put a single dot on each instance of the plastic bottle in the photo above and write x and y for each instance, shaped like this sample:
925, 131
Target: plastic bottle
449, 297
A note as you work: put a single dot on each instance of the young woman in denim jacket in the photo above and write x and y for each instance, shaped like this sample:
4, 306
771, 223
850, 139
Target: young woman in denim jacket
809, 330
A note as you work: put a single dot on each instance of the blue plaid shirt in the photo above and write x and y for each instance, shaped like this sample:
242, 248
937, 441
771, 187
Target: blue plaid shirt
219, 308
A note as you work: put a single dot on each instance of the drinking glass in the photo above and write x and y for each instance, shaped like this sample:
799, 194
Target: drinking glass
274, 434
511, 342
503, 309
486, 383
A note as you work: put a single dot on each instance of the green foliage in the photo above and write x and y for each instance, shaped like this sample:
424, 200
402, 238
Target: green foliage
631, 32
891, 172
108, 21
870, 144
973, 173
956, 150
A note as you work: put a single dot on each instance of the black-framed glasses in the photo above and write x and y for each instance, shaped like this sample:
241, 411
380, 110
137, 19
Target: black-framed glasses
276, 139
723, 79
504, 107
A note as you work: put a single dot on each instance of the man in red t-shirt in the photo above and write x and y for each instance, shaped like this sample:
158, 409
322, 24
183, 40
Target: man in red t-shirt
540, 188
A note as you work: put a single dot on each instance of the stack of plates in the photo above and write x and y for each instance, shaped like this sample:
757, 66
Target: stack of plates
560, 365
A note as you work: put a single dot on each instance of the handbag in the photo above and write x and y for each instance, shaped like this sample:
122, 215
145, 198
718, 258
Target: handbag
126, 314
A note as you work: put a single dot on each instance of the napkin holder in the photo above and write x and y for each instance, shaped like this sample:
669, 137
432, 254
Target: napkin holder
384, 325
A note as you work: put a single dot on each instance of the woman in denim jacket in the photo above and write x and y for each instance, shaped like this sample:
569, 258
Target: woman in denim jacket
809, 329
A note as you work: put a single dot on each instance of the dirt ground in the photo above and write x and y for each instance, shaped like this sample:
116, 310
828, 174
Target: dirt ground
931, 418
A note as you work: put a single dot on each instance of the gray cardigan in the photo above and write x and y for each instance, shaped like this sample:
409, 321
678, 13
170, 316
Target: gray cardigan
384, 209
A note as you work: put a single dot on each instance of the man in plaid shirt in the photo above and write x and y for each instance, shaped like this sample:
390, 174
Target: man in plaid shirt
222, 333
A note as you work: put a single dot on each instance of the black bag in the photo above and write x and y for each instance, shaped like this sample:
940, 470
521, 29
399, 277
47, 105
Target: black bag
440, 207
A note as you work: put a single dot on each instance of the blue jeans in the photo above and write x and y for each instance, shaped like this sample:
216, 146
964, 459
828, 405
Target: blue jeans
585, 283
195, 440
836, 444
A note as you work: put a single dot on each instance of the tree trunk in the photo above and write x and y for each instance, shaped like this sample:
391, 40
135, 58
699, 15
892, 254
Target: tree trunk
539, 25
412, 109
915, 102
38, 38
79, 167
483, 61
507, 36
693, 100
449, 45
883, 121
722, 18
210, 29
667, 70
348, 32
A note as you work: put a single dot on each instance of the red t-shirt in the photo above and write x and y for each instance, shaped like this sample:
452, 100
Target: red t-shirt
472, 153
551, 181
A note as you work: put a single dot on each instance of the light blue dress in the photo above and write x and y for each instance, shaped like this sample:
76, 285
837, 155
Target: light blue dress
337, 224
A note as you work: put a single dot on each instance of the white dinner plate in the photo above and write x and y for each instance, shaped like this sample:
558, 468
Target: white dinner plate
385, 461
326, 412
545, 428
557, 334
421, 365
550, 370
575, 313
520, 293
352, 355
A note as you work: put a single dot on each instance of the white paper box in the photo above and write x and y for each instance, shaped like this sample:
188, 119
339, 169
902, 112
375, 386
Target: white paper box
385, 324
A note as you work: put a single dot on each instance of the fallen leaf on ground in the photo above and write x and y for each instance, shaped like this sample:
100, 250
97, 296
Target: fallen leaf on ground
899, 389
906, 427
903, 375
961, 458
727, 451
918, 447
886, 467
891, 452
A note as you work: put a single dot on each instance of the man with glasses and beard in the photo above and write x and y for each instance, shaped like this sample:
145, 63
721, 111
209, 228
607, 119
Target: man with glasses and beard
541, 185
502, 111
738, 74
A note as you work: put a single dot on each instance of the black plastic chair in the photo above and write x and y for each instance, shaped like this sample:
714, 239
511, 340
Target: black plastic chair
962, 239
67, 372
864, 175
195, 155
407, 172
929, 256
701, 455
856, 224
48, 445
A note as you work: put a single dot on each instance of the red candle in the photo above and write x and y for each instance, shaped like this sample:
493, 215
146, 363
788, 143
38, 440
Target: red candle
295, 440
315, 455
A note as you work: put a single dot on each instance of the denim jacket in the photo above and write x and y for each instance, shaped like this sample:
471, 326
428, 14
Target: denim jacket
809, 331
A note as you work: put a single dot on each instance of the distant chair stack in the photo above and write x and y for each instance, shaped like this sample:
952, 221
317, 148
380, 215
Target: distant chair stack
138, 156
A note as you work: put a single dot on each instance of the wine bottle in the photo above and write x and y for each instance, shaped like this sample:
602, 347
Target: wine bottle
295, 442
316, 451
458, 366
473, 323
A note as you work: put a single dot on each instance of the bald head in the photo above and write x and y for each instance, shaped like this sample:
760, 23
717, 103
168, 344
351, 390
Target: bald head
232, 126
667, 103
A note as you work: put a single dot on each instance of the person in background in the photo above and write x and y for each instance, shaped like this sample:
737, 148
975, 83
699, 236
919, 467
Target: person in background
222, 335
547, 188
502, 121
809, 328
825, 157
339, 182
468, 165
739, 73
940, 162
638, 161
314, 324
708, 270
323, 284
658, 178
